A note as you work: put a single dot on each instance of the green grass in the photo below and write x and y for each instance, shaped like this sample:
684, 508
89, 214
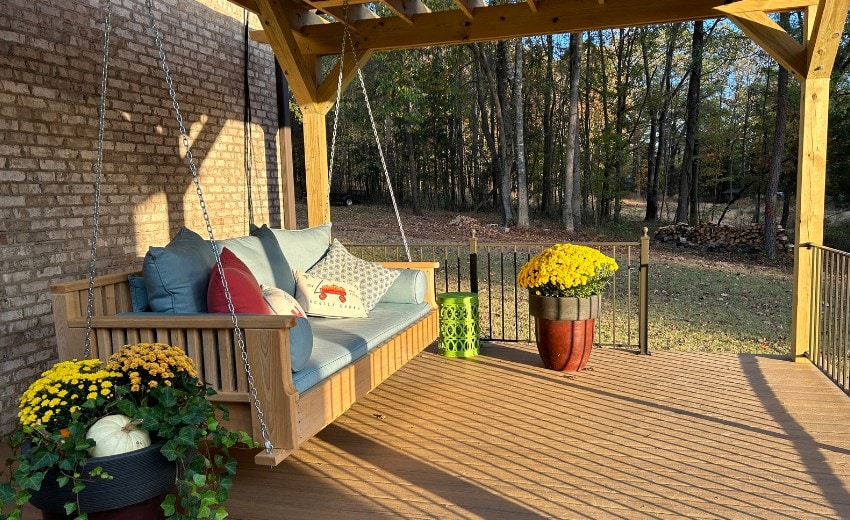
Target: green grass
718, 309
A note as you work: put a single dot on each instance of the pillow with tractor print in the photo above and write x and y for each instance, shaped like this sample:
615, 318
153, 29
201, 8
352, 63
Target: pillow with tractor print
328, 298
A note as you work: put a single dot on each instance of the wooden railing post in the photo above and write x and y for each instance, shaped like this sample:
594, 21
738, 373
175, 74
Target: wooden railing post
473, 262
643, 294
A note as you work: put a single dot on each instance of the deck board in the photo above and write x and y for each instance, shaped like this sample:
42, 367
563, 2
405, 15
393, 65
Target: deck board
671, 435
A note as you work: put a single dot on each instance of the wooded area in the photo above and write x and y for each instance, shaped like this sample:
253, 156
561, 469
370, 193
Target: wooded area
568, 125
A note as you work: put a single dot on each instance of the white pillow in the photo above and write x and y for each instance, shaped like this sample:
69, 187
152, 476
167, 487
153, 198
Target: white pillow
327, 297
373, 279
281, 302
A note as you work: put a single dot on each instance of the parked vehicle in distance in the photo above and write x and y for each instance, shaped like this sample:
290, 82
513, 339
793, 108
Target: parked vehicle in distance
347, 198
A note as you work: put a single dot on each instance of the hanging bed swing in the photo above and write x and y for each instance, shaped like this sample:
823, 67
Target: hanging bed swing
284, 378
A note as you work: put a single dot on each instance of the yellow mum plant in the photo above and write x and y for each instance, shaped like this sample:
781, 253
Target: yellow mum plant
152, 385
567, 270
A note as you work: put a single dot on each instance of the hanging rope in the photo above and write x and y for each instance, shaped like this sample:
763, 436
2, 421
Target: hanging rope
98, 169
246, 119
196, 180
346, 42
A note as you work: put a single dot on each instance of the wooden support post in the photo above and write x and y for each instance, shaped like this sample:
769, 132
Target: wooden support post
808, 226
316, 164
284, 149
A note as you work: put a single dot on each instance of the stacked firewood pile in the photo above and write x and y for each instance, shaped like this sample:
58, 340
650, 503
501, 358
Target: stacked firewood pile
711, 237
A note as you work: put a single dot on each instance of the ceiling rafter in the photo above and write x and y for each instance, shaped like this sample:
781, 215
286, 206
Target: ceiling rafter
406, 9
468, 7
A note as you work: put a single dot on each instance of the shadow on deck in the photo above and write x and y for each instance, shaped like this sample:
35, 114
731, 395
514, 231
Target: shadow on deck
671, 435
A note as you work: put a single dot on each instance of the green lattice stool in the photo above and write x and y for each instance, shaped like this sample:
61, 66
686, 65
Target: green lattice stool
458, 324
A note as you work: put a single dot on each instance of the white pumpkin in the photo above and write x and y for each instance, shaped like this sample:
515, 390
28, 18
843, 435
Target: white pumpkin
116, 434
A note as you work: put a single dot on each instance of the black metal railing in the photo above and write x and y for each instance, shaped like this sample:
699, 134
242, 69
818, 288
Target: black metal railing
491, 271
829, 337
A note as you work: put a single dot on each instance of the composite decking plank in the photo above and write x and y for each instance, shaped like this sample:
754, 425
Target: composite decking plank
671, 435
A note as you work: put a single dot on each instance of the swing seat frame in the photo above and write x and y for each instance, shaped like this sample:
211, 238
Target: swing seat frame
292, 417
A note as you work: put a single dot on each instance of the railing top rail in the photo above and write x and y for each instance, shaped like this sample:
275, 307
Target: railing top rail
809, 245
497, 244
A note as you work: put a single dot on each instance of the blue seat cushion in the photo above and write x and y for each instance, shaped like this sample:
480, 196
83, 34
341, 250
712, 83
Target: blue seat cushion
340, 341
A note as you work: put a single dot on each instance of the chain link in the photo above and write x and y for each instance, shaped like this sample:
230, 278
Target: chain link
346, 41
196, 180
98, 169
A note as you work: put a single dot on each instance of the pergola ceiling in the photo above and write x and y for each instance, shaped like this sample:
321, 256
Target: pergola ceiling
316, 25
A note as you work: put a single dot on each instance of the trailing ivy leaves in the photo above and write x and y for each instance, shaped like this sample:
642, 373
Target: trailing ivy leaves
156, 384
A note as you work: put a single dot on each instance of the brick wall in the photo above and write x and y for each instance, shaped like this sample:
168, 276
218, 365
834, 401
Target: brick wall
50, 62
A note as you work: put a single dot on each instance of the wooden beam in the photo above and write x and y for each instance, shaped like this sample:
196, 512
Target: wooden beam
507, 21
467, 7
787, 51
316, 162
532, 4
809, 210
769, 6
406, 9
274, 16
327, 90
823, 45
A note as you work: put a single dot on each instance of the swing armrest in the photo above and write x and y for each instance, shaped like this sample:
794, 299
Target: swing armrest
426, 267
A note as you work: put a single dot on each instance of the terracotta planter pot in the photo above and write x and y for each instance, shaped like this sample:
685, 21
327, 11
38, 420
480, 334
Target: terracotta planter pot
564, 330
139, 480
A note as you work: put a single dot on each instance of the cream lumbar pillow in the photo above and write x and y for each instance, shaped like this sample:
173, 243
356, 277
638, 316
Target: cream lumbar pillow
281, 302
328, 298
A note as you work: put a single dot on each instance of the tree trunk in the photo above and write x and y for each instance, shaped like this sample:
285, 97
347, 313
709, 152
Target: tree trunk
547, 201
687, 171
659, 120
776, 157
570, 160
503, 118
412, 174
522, 178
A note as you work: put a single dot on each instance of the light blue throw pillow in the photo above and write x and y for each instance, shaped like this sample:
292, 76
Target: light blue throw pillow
176, 276
264, 259
301, 247
411, 286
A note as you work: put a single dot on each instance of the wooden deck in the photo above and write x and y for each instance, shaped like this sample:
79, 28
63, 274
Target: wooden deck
671, 435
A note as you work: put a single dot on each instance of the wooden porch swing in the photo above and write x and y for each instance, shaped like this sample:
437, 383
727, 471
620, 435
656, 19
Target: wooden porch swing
246, 358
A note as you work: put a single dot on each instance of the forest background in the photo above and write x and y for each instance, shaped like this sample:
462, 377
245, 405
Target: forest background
687, 117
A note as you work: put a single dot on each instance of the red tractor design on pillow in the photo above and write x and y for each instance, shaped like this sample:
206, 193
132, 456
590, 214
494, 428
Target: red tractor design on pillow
325, 290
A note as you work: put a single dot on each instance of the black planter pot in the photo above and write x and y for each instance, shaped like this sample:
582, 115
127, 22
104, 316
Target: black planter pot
137, 476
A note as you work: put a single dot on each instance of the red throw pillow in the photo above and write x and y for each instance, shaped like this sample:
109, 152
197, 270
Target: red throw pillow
245, 292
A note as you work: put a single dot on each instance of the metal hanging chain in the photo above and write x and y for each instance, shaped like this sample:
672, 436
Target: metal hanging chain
98, 169
346, 41
196, 180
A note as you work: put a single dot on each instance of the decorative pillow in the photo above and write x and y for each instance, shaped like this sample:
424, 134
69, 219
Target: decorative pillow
411, 286
373, 279
328, 298
264, 258
245, 292
301, 247
281, 302
176, 276
138, 294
